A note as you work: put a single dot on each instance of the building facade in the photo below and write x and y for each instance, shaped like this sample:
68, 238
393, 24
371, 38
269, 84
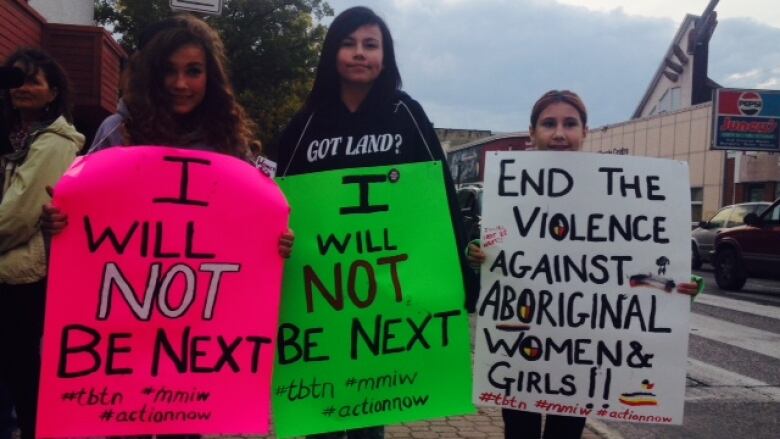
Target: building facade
87, 52
467, 161
673, 120
679, 135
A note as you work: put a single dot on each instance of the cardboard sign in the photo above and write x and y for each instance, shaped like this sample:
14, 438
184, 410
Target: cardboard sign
579, 311
373, 329
163, 293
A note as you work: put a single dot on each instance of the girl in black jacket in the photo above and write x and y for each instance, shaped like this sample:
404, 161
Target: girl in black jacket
356, 116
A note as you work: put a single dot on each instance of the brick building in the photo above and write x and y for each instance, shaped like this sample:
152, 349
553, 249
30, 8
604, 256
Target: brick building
87, 52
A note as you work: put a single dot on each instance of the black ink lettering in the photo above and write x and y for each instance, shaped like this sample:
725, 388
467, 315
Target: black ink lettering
87, 348
184, 181
609, 172
341, 246
551, 180
658, 229
113, 349
258, 344
502, 178
417, 332
364, 207
161, 341
189, 252
158, 251
500, 262
635, 186
109, 234
287, 338
652, 188
652, 327
227, 354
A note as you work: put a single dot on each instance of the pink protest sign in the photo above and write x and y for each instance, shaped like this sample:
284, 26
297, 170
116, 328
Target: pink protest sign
163, 296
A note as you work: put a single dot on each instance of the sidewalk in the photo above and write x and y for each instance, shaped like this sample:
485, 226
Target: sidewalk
485, 424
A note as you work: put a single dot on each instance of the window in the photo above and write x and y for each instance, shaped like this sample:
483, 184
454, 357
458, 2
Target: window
670, 101
773, 217
738, 215
697, 198
755, 192
758, 208
676, 98
720, 218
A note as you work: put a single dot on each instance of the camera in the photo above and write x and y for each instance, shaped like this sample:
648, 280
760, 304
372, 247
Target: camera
10, 77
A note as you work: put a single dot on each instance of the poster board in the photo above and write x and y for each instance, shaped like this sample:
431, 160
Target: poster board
163, 296
373, 329
578, 312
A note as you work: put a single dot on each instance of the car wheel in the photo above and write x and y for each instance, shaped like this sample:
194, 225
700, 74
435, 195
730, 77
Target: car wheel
729, 272
695, 258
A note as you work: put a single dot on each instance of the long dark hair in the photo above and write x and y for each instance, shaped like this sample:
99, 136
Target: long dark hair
327, 85
219, 120
31, 61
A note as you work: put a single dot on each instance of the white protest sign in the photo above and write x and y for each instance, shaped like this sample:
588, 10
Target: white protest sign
579, 311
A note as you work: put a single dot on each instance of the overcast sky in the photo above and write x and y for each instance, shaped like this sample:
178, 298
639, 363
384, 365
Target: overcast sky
480, 64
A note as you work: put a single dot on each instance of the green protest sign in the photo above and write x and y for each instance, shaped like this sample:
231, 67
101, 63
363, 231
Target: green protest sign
373, 329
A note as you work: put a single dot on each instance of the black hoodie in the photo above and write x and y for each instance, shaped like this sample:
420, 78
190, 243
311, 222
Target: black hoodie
377, 134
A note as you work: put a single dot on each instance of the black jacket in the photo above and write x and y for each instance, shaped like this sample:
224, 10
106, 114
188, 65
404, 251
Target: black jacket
377, 134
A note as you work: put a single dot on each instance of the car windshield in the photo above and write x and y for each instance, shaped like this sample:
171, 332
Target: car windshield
719, 220
738, 215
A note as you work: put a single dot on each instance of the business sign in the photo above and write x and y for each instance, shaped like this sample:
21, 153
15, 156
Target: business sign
579, 311
213, 7
373, 329
163, 296
746, 120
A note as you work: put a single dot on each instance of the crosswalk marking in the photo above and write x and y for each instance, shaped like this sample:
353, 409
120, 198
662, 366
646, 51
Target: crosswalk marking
756, 340
772, 312
721, 384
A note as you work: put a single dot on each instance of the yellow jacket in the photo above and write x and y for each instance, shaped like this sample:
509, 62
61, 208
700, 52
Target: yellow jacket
22, 251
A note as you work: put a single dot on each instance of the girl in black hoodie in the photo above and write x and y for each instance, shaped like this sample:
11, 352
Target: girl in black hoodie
356, 116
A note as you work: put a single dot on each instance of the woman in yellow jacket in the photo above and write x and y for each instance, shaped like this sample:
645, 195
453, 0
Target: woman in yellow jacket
43, 144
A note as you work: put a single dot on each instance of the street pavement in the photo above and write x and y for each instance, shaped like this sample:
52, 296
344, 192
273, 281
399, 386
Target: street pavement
485, 424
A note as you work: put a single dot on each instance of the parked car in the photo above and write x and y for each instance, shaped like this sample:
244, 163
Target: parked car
470, 202
703, 237
750, 250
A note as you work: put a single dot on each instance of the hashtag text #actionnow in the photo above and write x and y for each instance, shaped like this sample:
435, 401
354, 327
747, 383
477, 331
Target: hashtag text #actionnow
149, 415
373, 406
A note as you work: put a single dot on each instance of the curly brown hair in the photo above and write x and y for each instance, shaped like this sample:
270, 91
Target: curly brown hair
219, 121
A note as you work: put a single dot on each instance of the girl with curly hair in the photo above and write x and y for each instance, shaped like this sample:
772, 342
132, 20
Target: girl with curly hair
178, 94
